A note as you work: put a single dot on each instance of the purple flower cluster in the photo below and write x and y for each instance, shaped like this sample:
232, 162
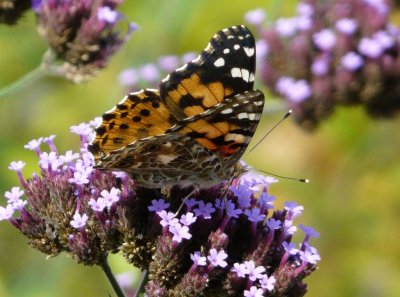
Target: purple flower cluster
226, 240
12, 10
82, 35
332, 52
150, 74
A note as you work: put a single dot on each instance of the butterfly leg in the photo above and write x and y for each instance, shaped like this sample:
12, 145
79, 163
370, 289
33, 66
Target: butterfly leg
194, 191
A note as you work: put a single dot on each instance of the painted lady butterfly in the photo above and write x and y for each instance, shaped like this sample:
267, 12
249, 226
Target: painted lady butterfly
194, 129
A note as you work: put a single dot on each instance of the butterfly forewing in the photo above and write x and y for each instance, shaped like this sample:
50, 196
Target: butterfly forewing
138, 115
225, 68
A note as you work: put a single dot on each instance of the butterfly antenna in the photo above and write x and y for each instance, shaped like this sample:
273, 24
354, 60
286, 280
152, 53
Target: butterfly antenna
272, 129
302, 180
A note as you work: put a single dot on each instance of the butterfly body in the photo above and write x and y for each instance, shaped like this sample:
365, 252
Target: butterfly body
193, 130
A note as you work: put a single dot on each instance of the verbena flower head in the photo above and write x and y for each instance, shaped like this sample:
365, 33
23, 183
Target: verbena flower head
82, 35
227, 240
12, 10
333, 52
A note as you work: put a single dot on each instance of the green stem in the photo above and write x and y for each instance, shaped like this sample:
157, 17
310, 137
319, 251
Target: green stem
111, 278
25, 80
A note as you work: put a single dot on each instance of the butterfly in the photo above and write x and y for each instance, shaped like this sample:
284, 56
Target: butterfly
195, 127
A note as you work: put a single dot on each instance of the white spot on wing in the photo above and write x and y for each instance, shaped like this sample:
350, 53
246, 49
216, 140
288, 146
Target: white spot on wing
251, 78
242, 115
166, 78
231, 36
226, 51
240, 138
249, 51
227, 111
241, 37
208, 48
165, 159
236, 46
235, 72
258, 103
197, 60
252, 116
245, 74
183, 67
225, 30
219, 62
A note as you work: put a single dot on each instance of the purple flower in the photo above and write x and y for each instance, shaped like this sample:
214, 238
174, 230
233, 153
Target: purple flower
324, 39
79, 178
158, 205
253, 271
179, 232
204, 210
198, 259
129, 77
305, 9
320, 66
34, 145
83, 129
188, 57
79, 221
19, 204
309, 231
304, 23
190, 202
351, 61
253, 292
293, 209
149, 72
13, 195
97, 205
108, 15
290, 248
232, 211
168, 63
167, 218
255, 17
268, 283
49, 160
7, 212
299, 91
188, 219
288, 228
68, 157
286, 27
82, 35
273, 224
217, 258
16, 166
240, 269
254, 214
370, 47
110, 197
385, 40
266, 201
346, 26
309, 256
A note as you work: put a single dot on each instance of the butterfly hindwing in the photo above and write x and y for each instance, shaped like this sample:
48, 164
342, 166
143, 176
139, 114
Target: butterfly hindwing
225, 68
163, 159
227, 128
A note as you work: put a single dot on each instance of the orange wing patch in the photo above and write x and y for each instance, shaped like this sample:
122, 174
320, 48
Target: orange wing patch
195, 97
138, 115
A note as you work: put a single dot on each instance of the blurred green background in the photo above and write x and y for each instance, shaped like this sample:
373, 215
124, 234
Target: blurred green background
352, 161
